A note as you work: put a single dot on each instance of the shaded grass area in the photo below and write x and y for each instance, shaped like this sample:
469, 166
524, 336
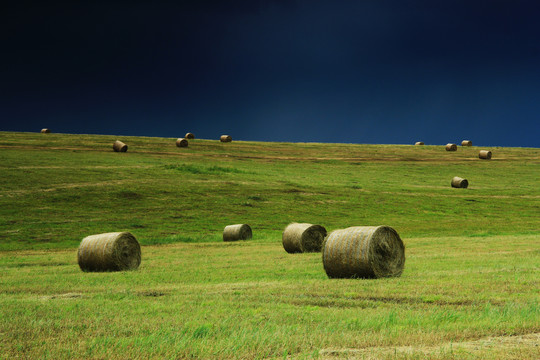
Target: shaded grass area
57, 188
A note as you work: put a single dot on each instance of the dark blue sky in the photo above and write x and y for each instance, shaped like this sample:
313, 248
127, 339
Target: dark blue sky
377, 71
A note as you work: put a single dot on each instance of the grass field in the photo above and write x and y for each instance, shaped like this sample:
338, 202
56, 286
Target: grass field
470, 288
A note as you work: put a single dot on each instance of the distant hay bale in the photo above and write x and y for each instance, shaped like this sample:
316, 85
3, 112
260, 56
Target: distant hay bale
116, 251
119, 146
181, 142
458, 182
484, 154
419, 143
45, 131
189, 136
225, 138
237, 232
466, 143
451, 147
298, 238
363, 252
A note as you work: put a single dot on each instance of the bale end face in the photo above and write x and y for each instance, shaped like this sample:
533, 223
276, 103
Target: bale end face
189, 136
182, 142
364, 252
119, 146
459, 183
419, 143
466, 143
484, 154
451, 147
225, 138
237, 232
298, 238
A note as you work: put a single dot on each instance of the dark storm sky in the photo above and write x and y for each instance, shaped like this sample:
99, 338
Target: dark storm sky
374, 71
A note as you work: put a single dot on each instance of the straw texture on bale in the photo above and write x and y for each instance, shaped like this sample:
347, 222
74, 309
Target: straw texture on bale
484, 154
363, 252
181, 142
237, 232
45, 131
119, 146
458, 182
116, 251
419, 143
189, 136
225, 138
451, 147
298, 238
466, 143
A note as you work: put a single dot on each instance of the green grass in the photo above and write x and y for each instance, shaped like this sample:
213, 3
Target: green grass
472, 254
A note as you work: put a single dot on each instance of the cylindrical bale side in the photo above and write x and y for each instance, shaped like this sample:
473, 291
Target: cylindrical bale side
181, 142
484, 154
466, 143
451, 147
225, 138
458, 182
119, 146
237, 232
419, 143
189, 136
116, 251
45, 131
298, 238
363, 252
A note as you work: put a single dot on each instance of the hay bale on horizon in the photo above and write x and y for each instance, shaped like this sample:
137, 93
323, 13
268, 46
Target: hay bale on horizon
419, 143
189, 136
119, 146
45, 131
451, 147
303, 237
181, 142
225, 138
466, 143
237, 232
458, 182
115, 251
363, 252
484, 154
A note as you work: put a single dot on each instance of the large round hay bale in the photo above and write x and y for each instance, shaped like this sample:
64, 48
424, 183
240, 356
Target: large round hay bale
119, 146
116, 251
363, 252
484, 154
299, 238
189, 136
45, 131
451, 147
181, 142
466, 143
419, 143
237, 232
458, 182
225, 138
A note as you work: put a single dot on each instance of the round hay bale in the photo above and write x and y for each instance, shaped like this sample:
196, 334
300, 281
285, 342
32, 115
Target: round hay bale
466, 143
484, 154
45, 131
363, 252
189, 136
451, 147
119, 146
225, 138
116, 251
419, 143
299, 238
458, 182
237, 232
181, 142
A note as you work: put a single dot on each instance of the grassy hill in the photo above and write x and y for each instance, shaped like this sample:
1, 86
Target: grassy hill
469, 287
